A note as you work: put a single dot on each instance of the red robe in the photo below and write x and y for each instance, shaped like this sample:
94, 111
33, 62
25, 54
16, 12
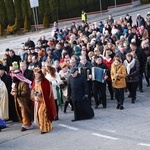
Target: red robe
49, 98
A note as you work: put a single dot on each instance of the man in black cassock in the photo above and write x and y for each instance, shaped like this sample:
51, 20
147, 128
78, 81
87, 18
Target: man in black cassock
78, 92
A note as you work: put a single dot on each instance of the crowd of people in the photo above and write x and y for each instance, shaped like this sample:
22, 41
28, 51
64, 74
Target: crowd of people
76, 64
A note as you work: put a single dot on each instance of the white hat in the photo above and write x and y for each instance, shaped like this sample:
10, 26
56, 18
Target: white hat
138, 15
133, 40
22, 45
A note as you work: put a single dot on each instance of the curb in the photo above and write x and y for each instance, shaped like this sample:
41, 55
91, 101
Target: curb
103, 16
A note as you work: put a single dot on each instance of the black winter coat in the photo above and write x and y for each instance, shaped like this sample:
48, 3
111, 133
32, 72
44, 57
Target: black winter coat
77, 87
28, 74
141, 58
133, 76
147, 67
7, 80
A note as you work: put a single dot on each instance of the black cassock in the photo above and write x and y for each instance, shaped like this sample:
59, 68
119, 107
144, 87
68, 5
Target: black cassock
77, 89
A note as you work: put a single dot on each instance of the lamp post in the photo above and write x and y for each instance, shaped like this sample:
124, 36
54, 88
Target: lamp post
35, 23
101, 7
115, 4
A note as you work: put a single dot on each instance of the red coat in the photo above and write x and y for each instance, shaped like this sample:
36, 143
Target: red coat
108, 64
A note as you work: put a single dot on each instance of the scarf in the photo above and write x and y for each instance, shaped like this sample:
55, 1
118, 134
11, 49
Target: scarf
129, 65
20, 76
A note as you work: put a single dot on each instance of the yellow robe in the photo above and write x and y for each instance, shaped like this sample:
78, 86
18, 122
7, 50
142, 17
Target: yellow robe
40, 112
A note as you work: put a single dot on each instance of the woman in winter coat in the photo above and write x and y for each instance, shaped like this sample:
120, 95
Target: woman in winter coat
132, 78
118, 75
53, 77
64, 75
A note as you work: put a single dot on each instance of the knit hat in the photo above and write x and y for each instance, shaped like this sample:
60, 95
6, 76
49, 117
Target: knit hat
48, 49
77, 50
2, 67
41, 53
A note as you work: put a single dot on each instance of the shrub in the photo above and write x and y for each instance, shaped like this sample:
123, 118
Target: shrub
1, 30
45, 21
145, 1
26, 24
12, 29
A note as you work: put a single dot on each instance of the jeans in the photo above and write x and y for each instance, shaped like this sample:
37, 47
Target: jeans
119, 95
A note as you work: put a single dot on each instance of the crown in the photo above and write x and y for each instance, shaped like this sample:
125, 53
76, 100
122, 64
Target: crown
36, 69
15, 65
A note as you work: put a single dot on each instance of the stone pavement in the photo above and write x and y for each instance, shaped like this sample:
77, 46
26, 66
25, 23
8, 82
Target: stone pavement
112, 129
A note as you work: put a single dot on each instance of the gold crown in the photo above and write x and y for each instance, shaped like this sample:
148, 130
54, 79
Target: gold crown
36, 69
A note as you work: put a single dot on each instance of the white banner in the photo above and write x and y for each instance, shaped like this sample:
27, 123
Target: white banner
34, 3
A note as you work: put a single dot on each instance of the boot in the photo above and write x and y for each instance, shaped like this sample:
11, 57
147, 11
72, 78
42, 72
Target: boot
118, 106
65, 106
121, 107
72, 109
133, 100
112, 97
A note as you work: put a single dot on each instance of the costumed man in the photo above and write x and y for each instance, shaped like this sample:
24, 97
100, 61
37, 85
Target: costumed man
44, 104
4, 115
8, 82
23, 103
78, 92
84, 16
